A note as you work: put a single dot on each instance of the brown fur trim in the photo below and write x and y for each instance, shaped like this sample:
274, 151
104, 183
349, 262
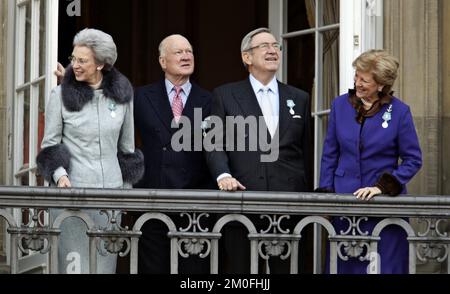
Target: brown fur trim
389, 185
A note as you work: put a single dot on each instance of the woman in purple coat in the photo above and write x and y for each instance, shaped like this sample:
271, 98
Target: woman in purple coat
369, 131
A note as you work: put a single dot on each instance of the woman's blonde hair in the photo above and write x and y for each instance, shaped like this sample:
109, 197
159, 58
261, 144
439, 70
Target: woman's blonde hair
382, 65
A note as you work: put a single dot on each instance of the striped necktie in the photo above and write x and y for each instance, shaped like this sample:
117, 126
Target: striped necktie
177, 104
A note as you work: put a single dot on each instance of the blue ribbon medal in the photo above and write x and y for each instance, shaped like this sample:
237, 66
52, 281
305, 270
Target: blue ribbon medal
387, 117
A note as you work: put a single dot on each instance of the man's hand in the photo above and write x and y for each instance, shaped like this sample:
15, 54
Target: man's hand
367, 193
230, 184
64, 182
60, 72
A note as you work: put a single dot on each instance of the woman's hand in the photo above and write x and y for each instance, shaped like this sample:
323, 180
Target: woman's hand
367, 193
230, 184
64, 182
60, 72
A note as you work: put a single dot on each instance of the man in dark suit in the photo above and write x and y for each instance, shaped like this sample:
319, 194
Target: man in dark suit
283, 114
156, 107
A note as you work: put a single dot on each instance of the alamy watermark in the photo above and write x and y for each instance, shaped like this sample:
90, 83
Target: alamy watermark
236, 133
74, 8
374, 266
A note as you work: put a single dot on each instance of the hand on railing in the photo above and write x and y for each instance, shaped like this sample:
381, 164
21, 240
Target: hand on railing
64, 182
230, 184
367, 193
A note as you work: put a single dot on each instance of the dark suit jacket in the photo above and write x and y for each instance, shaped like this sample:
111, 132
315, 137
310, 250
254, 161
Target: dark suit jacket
291, 171
164, 167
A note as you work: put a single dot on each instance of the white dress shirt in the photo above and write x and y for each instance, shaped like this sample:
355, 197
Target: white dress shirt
273, 94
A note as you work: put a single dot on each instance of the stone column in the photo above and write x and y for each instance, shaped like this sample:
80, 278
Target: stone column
412, 34
3, 109
444, 26
445, 82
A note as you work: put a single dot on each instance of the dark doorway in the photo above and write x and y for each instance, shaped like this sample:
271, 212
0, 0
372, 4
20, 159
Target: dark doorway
215, 29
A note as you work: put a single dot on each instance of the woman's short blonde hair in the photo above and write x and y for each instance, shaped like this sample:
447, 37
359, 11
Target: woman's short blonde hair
382, 65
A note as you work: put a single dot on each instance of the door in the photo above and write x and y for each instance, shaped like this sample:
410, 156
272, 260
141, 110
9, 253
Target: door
35, 46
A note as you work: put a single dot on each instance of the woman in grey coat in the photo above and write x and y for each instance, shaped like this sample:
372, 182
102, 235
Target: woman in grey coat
89, 140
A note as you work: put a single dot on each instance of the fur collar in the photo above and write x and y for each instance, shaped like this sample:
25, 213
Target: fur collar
76, 94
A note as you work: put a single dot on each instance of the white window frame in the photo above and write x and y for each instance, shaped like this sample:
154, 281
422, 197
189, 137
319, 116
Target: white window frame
361, 30
319, 29
16, 89
34, 79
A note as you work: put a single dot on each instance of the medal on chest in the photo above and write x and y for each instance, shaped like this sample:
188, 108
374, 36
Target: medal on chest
387, 117
290, 103
112, 108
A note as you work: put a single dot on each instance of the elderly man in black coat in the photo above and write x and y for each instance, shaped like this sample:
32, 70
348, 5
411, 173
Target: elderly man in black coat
281, 160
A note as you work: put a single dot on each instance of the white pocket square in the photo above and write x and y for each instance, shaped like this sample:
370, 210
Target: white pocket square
297, 116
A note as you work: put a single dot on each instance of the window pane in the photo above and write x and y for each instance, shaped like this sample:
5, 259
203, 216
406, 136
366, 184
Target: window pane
41, 114
330, 12
25, 133
330, 75
301, 68
42, 36
26, 128
41, 124
301, 60
301, 15
300, 65
27, 42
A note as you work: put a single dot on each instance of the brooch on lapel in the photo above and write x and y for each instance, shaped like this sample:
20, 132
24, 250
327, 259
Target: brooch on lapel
387, 117
112, 107
290, 103
205, 125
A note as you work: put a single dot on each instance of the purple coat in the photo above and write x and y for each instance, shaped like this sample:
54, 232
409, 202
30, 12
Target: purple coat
355, 156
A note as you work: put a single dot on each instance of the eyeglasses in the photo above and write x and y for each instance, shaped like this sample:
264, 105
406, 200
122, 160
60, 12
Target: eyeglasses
81, 61
265, 46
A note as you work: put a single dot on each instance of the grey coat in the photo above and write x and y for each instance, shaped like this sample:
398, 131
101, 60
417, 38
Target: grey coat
89, 136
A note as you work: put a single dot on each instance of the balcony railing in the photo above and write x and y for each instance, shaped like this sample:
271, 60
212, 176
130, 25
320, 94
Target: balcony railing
39, 235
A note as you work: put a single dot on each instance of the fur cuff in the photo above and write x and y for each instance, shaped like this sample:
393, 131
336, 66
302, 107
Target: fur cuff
132, 166
389, 185
52, 158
